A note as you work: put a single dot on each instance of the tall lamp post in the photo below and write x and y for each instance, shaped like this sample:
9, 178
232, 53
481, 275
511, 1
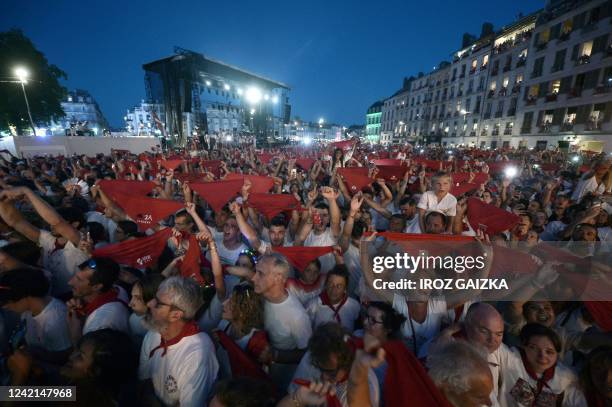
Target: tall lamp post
22, 75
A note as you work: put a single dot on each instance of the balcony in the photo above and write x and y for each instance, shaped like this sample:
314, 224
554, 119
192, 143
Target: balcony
498, 114
495, 132
551, 97
564, 36
473, 71
495, 71
589, 27
507, 132
503, 91
567, 126
484, 133
531, 100
516, 88
583, 60
526, 129
541, 47
545, 128
601, 89
487, 115
490, 94
483, 67
472, 134
535, 74
521, 62
511, 112
507, 68
593, 125
575, 92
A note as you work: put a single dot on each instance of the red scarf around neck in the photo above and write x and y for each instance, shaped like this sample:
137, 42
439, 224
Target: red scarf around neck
190, 329
335, 308
111, 295
541, 381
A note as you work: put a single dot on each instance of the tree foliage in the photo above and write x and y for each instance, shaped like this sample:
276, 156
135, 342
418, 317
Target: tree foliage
43, 88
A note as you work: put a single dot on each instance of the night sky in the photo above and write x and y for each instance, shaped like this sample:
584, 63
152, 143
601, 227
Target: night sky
338, 57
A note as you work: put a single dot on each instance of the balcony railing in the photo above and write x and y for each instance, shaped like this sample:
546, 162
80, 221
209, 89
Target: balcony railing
495, 132
564, 36
472, 134
601, 89
589, 27
531, 100
545, 128
503, 91
511, 112
525, 129
593, 125
483, 133
490, 94
516, 89
487, 115
483, 67
507, 132
575, 92
540, 47
567, 126
521, 62
472, 71
583, 59
507, 68
551, 97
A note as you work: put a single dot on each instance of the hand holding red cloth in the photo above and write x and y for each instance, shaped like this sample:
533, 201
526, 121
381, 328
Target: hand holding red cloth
301, 256
217, 193
491, 219
271, 205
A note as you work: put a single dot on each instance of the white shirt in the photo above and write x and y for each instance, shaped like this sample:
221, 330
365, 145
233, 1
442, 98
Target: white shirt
447, 205
413, 225
62, 263
307, 371
187, 372
436, 314
514, 373
320, 314
287, 324
49, 329
552, 230
586, 186
113, 315
109, 224
227, 256
304, 296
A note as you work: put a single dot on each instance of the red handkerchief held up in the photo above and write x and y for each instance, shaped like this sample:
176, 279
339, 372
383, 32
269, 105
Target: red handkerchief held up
355, 178
271, 205
171, 164
305, 163
301, 256
386, 161
491, 219
138, 253
146, 212
218, 193
117, 187
391, 173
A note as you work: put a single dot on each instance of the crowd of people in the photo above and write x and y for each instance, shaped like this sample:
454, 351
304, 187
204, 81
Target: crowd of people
224, 276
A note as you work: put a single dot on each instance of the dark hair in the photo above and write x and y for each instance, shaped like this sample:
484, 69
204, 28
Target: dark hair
26, 252
129, 228
278, 220
96, 232
598, 364
183, 214
359, 227
440, 214
392, 320
339, 270
407, 200
245, 392
330, 339
115, 361
72, 214
78, 202
149, 283
21, 283
534, 329
321, 205
105, 271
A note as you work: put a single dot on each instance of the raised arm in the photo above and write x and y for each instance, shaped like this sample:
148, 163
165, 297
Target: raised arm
15, 219
244, 226
334, 211
345, 238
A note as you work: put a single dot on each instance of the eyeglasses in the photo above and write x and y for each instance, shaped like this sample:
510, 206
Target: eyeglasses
371, 319
160, 303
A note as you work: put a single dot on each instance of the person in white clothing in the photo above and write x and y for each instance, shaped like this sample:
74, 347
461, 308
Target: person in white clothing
439, 199
143, 291
334, 304
25, 292
97, 303
177, 362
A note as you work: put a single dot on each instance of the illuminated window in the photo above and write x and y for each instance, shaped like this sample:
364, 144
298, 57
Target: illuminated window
544, 36
506, 81
533, 91
474, 63
555, 86
519, 79
587, 47
485, 60
493, 85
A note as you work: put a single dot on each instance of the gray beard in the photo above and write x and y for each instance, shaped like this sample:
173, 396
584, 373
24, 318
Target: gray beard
150, 324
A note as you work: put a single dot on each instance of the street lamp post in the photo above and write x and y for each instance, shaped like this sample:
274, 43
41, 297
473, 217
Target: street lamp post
22, 75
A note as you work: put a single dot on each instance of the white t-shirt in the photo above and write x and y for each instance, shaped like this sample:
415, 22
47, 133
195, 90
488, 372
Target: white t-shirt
227, 256
293, 286
320, 314
447, 205
62, 263
187, 372
514, 373
586, 186
113, 315
287, 324
436, 314
307, 371
49, 329
324, 239
109, 224
413, 225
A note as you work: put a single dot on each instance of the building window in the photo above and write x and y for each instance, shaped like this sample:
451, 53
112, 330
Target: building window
485, 61
559, 61
538, 67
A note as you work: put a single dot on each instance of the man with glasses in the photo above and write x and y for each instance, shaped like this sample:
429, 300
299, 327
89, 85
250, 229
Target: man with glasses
97, 303
329, 359
178, 365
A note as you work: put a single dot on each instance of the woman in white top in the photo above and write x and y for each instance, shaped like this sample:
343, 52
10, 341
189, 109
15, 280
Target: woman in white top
597, 181
532, 376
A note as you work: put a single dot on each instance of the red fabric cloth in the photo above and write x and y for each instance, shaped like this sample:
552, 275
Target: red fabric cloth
259, 183
461, 177
241, 362
301, 256
433, 165
386, 161
218, 193
111, 295
391, 173
296, 282
330, 400
459, 189
541, 381
144, 251
146, 212
305, 163
171, 164
335, 308
491, 219
602, 313
191, 328
115, 187
508, 261
355, 179
344, 145
212, 166
271, 205
496, 167
265, 157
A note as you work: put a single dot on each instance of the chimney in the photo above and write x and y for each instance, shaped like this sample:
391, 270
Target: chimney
487, 29
467, 39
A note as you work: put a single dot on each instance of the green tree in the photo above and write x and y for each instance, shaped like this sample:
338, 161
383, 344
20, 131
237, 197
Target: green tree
44, 91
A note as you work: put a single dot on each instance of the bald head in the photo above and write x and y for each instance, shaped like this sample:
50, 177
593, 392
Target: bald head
484, 326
